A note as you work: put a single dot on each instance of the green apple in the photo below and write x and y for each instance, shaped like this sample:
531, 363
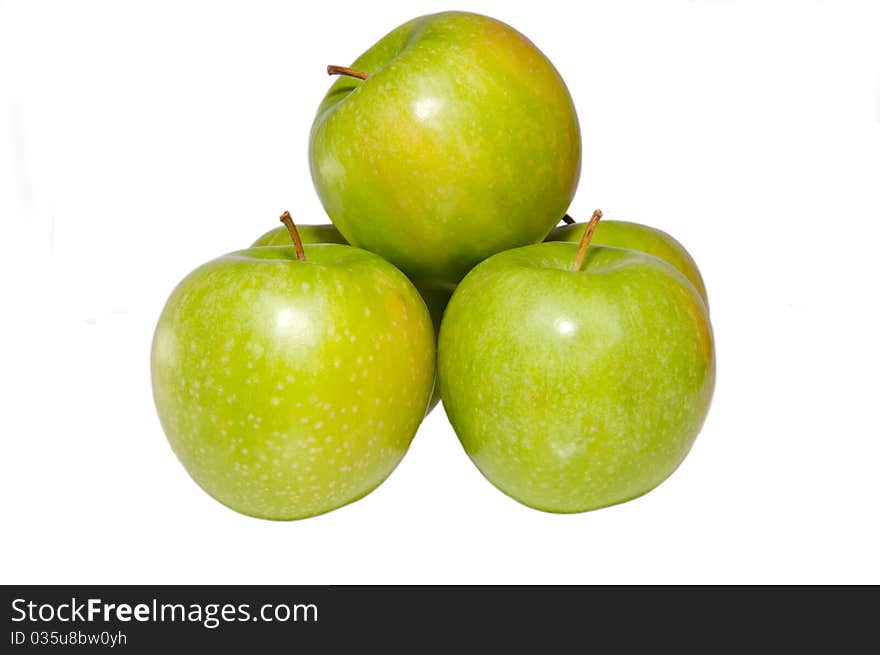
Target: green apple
290, 387
635, 236
461, 142
576, 385
435, 294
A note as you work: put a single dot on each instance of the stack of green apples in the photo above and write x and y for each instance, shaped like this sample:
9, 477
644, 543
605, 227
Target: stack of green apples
576, 365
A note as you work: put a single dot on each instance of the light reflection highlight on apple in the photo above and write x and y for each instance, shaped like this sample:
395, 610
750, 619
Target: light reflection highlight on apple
292, 323
564, 326
426, 108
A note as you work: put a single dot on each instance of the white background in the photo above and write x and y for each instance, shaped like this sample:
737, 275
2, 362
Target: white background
138, 140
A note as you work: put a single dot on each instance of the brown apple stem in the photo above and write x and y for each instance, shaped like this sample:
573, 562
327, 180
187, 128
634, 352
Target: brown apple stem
585, 241
568, 220
294, 234
350, 72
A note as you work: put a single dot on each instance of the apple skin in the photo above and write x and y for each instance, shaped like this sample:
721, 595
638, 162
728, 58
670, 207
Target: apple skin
435, 294
635, 236
571, 391
287, 388
462, 142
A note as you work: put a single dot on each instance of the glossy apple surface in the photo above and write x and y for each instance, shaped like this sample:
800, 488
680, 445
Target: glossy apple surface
290, 388
574, 390
435, 294
463, 141
635, 236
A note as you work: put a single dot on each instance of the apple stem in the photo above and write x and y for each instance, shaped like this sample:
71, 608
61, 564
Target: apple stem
568, 220
350, 72
294, 234
585, 241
